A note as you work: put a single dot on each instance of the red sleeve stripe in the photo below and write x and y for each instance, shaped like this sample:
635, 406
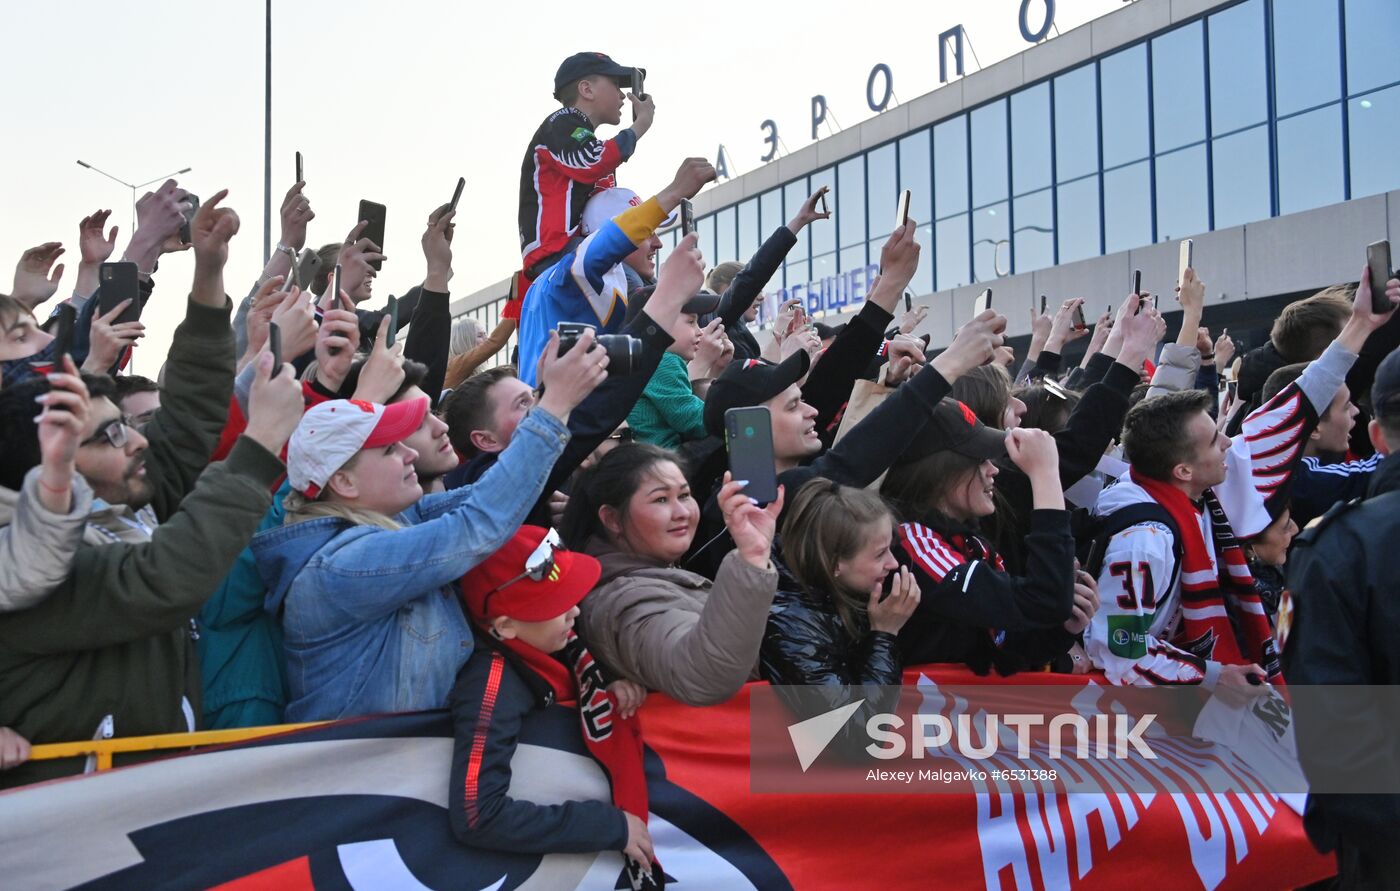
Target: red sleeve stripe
479, 734
929, 551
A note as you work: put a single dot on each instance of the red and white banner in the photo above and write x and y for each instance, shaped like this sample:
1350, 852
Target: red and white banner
362, 804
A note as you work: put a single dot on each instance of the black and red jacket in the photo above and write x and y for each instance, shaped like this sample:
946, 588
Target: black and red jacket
490, 701
564, 164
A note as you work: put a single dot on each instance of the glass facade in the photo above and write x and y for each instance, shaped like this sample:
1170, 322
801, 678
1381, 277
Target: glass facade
1252, 110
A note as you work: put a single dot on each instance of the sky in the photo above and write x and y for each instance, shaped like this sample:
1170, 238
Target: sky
393, 101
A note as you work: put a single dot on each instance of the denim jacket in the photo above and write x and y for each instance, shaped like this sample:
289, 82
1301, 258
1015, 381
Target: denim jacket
371, 618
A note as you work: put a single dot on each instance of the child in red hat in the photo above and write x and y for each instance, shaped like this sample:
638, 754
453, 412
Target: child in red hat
524, 600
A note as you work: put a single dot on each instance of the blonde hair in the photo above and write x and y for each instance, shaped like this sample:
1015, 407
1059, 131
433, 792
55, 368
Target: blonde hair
300, 509
466, 335
722, 276
1305, 327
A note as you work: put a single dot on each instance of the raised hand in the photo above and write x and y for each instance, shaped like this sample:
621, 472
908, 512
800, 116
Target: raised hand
1224, 351
1062, 329
93, 248
639, 847
681, 276
336, 342
890, 614
808, 213
355, 256
643, 112
66, 408
211, 230
159, 218
750, 526
295, 213
382, 374
974, 345
36, 277
899, 260
110, 338
297, 319
437, 249
1034, 451
260, 310
912, 319
710, 355
568, 379
275, 405
690, 178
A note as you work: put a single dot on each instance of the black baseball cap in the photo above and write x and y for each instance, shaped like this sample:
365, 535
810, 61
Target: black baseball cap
581, 65
703, 302
954, 428
1385, 390
751, 382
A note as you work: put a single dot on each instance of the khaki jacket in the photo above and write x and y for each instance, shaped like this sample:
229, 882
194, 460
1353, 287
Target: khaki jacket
37, 545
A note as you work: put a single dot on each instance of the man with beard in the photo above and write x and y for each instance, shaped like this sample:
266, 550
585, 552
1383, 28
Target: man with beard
110, 651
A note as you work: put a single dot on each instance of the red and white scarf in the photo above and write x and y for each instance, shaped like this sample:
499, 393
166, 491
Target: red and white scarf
1223, 617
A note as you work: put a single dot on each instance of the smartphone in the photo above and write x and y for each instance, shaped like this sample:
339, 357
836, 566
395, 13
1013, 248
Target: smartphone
1137, 282
1042, 304
274, 343
118, 282
639, 76
908, 302
1078, 320
64, 320
887, 587
687, 217
457, 193
299, 179
393, 310
336, 292
901, 215
748, 436
821, 197
374, 213
983, 303
1184, 263
1378, 259
191, 207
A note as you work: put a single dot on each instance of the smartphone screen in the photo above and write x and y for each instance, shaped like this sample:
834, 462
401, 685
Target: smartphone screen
1042, 304
687, 217
1184, 263
1137, 281
299, 179
984, 303
118, 282
274, 343
457, 193
1078, 319
335, 285
821, 198
375, 214
908, 302
393, 310
902, 213
1378, 259
748, 436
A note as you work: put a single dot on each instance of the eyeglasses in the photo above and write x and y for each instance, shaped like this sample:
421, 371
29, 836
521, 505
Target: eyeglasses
538, 566
113, 431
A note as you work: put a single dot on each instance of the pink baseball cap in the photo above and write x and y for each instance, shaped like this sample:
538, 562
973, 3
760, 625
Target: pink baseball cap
331, 433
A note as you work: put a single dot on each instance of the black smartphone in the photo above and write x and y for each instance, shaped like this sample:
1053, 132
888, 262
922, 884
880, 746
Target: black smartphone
191, 207
1137, 282
457, 193
1042, 304
821, 197
374, 213
336, 290
901, 215
65, 317
1378, 259
274, 343
748, 436
118, 282
887, 587
1078, 320
983, 303
639, 76
908, 302
393, 310
687, 217
299, 179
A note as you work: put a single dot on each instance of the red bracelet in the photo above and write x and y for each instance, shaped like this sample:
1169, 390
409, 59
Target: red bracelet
48, 488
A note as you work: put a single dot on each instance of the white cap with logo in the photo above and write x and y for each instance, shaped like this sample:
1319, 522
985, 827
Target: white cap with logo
330, 434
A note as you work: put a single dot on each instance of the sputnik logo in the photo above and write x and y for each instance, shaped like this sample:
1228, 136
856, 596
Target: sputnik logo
811, 737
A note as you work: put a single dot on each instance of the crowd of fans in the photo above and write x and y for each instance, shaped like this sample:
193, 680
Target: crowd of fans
380, 525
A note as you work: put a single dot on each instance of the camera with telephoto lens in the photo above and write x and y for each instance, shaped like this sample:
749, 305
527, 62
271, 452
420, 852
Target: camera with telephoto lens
624, 351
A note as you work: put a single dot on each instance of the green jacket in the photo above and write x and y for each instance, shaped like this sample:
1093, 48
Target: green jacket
109, 652
669, 413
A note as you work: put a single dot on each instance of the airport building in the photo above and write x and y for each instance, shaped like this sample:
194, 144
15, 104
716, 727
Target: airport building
1268, 131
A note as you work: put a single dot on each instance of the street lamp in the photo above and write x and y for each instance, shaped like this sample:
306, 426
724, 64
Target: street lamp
133, 187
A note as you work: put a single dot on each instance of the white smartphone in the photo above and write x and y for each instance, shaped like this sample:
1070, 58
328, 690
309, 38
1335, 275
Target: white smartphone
902, 214
1187, 250
984, 303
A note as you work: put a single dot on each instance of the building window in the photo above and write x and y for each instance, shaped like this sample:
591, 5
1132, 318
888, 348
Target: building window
991, 242
1127, 208
1310, 160
950, 249
725, 235
1307, 67
1076, 124
1182, 207
1241, 177
850, 221
1375, 135
1179, 88
824, 231
950, 168
989, 154
882, 192
1030, 139
749, 238
1123, 87
1077, 219
915, 162
1239, 90
705, 227
1372, 26
794, 193
1034, 239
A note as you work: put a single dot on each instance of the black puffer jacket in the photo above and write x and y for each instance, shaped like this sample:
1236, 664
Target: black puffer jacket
807, 643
